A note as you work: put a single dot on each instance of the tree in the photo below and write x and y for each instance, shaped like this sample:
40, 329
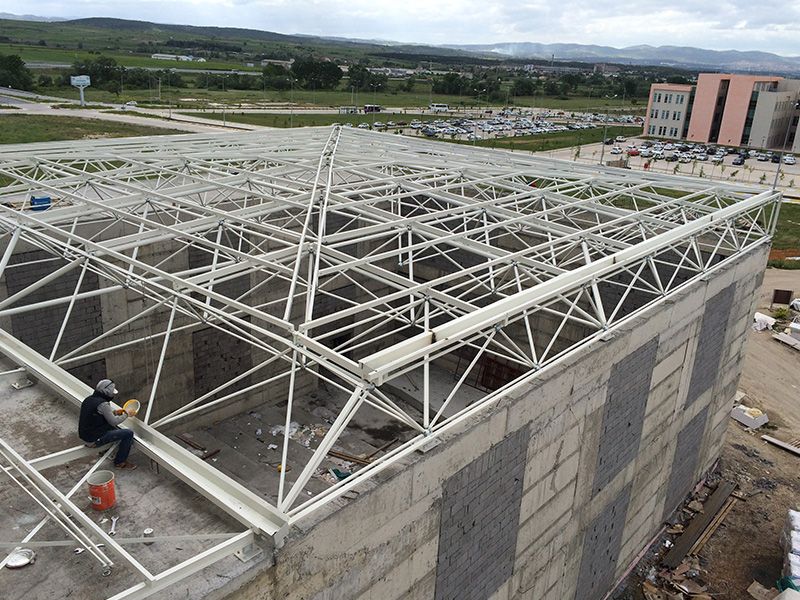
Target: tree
103, 70
523, 86
629, 87
551, 87
273, 70
677, 79
316, 74
14, 73
451, 83
359, 77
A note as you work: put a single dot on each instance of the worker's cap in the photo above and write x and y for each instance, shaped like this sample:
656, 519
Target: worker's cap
107, 387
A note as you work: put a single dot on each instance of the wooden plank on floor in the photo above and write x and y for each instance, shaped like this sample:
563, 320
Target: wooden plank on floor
793, 448
698, 524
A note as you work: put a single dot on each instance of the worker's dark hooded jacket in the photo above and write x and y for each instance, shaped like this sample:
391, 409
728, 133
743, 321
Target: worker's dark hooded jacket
92, 424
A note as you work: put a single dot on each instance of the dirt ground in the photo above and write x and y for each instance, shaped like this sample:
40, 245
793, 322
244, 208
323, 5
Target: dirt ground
746, 547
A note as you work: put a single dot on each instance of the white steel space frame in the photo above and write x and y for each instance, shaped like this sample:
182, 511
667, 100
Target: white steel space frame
447, 249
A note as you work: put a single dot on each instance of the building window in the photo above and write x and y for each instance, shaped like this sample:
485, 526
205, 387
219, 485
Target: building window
652, 130
679, 99
654, 113
665, 114
676, 115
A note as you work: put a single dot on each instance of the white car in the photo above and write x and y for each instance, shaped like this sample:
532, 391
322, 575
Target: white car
789, 159
620, 138
616, 150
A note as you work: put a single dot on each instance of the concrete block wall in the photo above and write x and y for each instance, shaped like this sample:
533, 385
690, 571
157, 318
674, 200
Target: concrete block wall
39, 328
579, 522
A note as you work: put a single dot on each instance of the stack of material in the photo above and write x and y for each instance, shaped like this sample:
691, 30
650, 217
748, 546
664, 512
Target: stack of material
790, 540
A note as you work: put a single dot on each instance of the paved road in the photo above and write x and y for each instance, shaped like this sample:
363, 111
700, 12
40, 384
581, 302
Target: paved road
29, 103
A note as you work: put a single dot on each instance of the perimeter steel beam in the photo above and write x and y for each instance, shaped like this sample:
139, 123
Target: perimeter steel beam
378, 366
236, 500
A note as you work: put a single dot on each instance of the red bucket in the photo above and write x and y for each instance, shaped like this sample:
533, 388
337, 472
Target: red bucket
101, 490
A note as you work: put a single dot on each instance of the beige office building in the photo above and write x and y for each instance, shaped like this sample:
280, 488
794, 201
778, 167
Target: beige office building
732, 110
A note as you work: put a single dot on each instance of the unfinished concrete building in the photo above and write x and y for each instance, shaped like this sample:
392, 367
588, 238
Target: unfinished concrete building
370, 366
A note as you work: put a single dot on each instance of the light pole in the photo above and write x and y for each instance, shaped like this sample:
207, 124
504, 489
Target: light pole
785, 141
605, 129
374, 87
169, 92
475, 132
291, 102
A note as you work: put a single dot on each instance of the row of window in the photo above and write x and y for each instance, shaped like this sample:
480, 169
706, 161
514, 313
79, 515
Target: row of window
676, 114
662, 130
667, 98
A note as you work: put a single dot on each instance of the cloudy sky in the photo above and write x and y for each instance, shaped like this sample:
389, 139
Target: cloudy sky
769, 25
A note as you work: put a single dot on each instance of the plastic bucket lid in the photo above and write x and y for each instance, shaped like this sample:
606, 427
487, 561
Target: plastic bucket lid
132, 406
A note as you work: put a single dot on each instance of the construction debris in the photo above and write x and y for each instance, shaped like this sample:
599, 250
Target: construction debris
793, 446
759, 592
752, 418
699, 524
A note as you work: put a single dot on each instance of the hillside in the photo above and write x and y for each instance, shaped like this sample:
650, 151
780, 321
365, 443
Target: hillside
675, 56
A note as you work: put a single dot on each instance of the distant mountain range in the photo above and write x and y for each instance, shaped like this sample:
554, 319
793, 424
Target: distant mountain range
13, 17
667, 56
685, 57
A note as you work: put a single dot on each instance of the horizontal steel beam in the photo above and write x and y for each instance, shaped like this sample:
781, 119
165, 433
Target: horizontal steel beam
376, 367
239, 502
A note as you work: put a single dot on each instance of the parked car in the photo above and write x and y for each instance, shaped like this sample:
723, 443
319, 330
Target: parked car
633, 152
789, 159
616, 150
738, 161
761, 157
775, 158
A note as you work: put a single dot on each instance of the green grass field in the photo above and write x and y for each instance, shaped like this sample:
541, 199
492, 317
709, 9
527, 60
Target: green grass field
308, 120
20, 129
787, 234
192, 97
42, 54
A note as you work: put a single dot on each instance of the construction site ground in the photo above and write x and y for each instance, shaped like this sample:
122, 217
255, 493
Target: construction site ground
746, 545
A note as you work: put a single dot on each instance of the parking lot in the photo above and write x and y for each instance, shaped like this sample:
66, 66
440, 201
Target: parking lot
487, 125
695, 161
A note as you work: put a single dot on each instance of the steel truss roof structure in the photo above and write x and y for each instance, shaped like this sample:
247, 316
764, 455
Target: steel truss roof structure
421, 253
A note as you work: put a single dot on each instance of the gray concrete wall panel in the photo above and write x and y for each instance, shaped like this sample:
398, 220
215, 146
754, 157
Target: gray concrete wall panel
710, 343
624, 412
601, 545
684, 464
480, 520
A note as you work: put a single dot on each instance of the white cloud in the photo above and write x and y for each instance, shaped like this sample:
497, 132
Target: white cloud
770, 25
